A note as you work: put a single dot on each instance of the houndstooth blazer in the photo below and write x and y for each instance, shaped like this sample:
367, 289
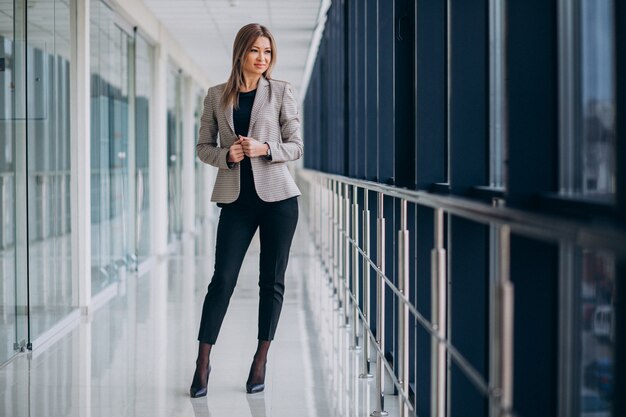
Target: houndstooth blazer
275, 120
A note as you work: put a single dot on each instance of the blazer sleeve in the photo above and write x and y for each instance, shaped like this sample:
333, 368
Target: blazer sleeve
207, 149
291, 147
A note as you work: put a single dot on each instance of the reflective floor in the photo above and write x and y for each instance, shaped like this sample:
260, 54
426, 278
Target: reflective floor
135, 355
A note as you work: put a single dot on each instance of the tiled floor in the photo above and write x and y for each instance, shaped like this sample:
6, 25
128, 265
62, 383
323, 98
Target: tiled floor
135, 355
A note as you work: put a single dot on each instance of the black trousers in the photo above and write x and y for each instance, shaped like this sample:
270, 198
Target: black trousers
237, 225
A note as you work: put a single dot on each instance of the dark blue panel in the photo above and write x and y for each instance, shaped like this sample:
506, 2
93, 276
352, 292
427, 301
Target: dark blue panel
351, 83
404, 88
431, 93
371, 92
386, 145
469, 106
532, 105
360, 86
535, 278
469, 307
424, 242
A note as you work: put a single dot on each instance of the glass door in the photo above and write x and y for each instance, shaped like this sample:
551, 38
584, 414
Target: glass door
13, 282
51, 291
111, 133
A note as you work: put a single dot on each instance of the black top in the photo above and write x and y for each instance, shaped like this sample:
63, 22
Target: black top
241, 120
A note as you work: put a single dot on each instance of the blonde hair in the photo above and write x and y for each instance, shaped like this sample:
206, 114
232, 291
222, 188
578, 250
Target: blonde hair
244, 40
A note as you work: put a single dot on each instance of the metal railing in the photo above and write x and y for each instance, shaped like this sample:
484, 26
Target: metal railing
333, 213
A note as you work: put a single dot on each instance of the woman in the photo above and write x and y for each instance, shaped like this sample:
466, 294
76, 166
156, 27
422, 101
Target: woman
258, 125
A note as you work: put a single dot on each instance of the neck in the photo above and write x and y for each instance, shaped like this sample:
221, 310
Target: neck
250, 82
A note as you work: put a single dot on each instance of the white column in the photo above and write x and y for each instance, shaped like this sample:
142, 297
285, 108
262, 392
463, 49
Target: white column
189, 157
80, 155
158, 156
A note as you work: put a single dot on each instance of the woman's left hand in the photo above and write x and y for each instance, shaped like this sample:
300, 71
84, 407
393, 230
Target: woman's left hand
252, 147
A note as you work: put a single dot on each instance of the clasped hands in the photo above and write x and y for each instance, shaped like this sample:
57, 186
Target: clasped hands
246, 146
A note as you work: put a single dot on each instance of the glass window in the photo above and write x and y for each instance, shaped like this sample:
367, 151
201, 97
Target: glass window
588, 99
587, 332
598, 98
596, 333
497, 94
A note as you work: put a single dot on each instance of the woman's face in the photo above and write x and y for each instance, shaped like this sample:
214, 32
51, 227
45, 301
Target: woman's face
258, 57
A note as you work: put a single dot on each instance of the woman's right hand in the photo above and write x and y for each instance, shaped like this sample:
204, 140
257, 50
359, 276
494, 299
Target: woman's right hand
235, 152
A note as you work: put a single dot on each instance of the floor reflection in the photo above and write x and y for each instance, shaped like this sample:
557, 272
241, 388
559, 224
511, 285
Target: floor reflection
135, 355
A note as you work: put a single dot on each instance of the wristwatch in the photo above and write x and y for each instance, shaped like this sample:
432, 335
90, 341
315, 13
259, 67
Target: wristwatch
268, 154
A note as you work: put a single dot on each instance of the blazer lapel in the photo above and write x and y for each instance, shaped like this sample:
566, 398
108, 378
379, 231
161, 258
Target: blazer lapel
262, 94
229, 117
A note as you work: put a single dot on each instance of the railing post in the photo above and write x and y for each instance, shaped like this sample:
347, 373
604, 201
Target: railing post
335, 239
439, 320
355, 266
380, 307
345, 256
366, 286
332, 208
403, 308
502, 363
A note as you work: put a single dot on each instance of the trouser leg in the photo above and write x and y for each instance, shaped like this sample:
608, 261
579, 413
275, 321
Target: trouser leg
234, 233
277, 226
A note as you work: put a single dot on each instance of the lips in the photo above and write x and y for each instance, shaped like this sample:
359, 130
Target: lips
259, 65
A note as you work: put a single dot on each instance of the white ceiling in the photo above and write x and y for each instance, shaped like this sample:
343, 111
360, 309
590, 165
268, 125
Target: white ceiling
207, 29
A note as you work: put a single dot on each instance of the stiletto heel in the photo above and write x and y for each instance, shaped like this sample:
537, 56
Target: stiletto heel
197, 391
254, 387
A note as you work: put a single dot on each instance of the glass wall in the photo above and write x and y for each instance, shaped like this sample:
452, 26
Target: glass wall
598, 98
36, 288
588, 367
110, 204
174, 152
8, 287
49, 216
588, 148
144, 59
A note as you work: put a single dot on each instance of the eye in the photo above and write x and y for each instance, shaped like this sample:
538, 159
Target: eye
268, 52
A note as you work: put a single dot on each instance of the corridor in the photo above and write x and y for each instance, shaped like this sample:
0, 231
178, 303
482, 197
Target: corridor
134, 356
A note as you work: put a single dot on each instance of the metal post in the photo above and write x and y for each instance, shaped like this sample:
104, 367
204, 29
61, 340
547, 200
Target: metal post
380, 307
503, 326
332, 208
336, 244
439, 320
403, 308
366, 287
345, 256
355, 266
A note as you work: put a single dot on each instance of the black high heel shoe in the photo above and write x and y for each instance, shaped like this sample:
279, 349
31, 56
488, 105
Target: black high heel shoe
254, 387
197, 391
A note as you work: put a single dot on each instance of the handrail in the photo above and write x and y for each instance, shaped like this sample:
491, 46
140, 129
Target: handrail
336, 233
521, 222
463, 363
